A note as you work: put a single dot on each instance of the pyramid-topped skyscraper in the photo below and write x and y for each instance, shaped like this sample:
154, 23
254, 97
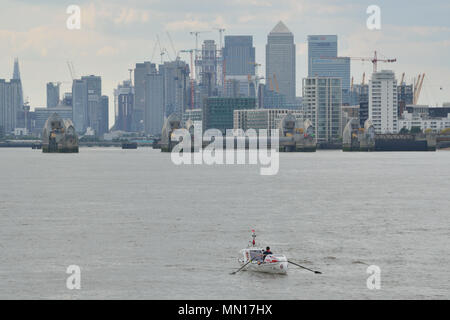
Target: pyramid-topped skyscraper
280, 61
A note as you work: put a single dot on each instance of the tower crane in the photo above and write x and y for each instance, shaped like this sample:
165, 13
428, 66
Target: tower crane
418, 88
196, 33
373, 59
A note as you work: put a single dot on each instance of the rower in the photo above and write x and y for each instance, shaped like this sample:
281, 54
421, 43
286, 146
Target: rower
266, 253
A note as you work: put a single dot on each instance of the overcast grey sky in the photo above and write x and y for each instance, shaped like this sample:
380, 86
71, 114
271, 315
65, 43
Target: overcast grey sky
116, 34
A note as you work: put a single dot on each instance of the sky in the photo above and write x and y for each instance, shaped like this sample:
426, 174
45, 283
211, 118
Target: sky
116, 34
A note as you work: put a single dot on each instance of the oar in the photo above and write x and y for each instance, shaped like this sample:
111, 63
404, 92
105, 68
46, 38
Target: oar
318, 272
242, 267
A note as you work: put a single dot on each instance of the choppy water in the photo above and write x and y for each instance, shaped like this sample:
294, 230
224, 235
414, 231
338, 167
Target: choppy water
141, 227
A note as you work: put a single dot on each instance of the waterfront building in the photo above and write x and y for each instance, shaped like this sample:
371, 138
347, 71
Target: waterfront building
383, 102
280, 60
423, 121
322, 101
259, 118
218, 112
193, 115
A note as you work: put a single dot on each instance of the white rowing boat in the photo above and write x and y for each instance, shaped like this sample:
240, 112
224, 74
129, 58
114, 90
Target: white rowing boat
254, 260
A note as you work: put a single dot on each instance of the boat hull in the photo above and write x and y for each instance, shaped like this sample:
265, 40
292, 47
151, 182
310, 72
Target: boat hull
269, 267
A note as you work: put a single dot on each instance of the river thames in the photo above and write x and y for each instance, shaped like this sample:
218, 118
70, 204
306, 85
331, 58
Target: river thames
140, 227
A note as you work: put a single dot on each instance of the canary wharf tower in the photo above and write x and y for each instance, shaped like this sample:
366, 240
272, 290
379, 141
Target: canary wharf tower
280, 61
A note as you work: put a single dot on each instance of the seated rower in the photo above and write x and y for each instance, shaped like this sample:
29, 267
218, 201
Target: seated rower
266, 253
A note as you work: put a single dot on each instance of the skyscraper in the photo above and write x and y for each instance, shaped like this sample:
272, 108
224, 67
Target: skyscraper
123, 106
95, 112
176, 79
140, 71
154, 103
11, 104
321, 46
323, 61
208, 69
80, 105
322, 101
239, 55
280, 60
52, 94
383, 102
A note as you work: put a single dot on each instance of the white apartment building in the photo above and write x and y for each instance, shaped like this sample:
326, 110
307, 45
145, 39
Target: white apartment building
383, 102
410, 120
260, 118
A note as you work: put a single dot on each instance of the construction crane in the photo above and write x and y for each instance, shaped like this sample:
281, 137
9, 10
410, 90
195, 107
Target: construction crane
221, 59
71, 70
191, 80
373, 59
403, 78
418, 88
131, 72
171, 44
221, 31
196, 33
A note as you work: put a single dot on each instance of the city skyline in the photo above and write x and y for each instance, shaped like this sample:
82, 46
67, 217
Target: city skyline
114, 37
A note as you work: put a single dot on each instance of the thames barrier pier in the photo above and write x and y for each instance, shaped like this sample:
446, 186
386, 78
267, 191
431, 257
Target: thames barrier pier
59, 136
365, 139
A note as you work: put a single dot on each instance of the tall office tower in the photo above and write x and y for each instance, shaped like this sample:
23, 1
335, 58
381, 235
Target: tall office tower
322, 101
104, 116
321, 46
208, 69
176, 80
123, 106
140, 71
239, 55
323, 61
80, 105
154, 103
52, 94
11, 104
95, 113
280, 60
383, 102
239, 61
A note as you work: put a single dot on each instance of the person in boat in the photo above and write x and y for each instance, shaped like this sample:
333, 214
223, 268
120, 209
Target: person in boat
266, 253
